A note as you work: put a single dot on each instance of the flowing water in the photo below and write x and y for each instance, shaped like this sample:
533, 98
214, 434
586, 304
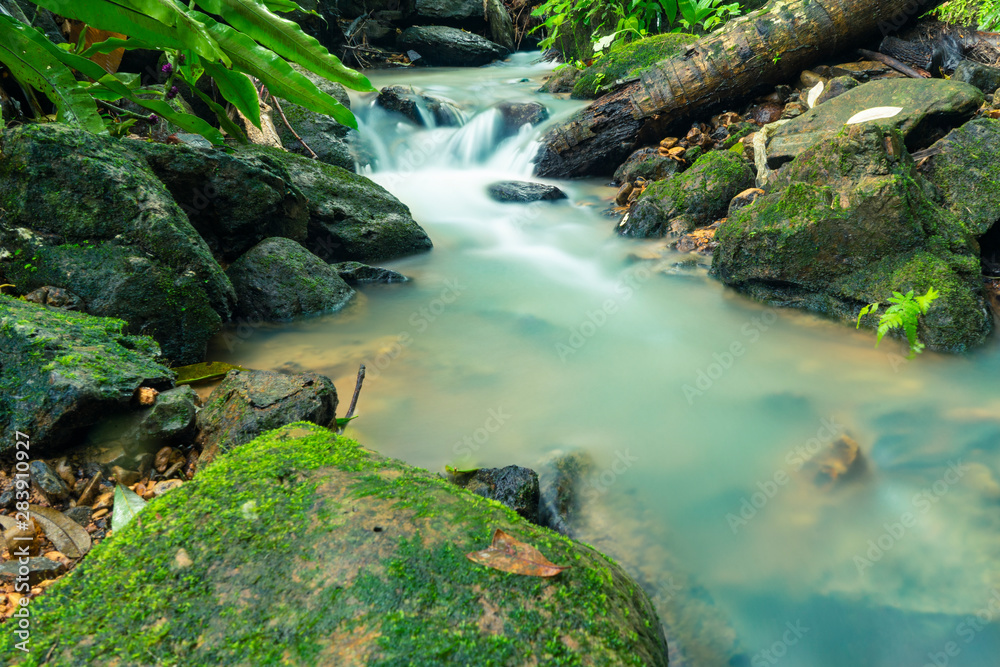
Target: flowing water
532, 327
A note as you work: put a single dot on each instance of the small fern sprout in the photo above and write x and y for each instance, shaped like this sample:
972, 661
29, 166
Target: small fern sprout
903, 313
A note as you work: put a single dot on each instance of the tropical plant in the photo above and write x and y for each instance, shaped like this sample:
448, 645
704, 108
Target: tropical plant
984, 13
904, 313
252, 42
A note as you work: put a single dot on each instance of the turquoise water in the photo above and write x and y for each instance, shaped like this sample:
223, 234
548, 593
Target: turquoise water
533, 327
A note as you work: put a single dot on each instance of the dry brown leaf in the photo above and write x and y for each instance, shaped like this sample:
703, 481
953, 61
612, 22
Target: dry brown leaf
146, 395
67, 535
510, 555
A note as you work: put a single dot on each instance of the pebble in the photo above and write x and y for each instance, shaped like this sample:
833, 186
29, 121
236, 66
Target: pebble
47, 481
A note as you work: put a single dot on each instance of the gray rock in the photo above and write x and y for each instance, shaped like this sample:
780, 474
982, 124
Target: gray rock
80, 514
441, 46
457, 11
419, 107
278, 279
56, 297
696, 198
7, 499
62, 372
523, 192
984, 77
514, 486
83, 213
356, 272
327, 138
247, 403
39, 569
926, 105
515, 115
646, 163
836, 87
48, 482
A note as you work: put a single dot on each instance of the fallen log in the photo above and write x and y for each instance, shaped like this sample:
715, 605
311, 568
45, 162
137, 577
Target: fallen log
764, 48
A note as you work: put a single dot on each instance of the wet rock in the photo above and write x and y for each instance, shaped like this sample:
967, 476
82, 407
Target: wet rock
56, 297
836, 87
849, 222
808, 79
7, 499
765, 113
63, 371
441, 46
515, 115
418, 107
842, 461
234, 201
984, 77
514, 486
327, 138
793, 110
351, 218
561, 478
114, 236
48, 482
862, 70
701, 240
408, 579
80, 514
39, 569
124, 477
927, 106
170, 420
965, 165
91, 490
562, 80
743, 200
457, 11
647, 163
499, 24
356, 272
247, 403
278, 279
695, 198
523, 192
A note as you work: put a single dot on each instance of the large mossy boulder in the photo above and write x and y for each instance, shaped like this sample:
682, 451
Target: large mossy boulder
351, 218
234, 201
278, 279
629, 62
327, 138
925, 107
696, 198
84, 213
63, 371
851, 221
302, 548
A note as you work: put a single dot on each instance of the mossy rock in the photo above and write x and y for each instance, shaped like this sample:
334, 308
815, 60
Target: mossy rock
646, 163
84, 213
303, 548
629, 61
850, 223
698, 197
63, 371
351, 218
326, 137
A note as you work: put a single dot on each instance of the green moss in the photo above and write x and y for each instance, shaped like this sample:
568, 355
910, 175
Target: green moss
629, 61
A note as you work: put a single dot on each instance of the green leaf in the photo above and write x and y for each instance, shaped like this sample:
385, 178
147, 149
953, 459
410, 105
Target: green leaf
343, 421
229, 126
127, 505
115, 43
283, 81
237, 89
285, 38
34, 60
204, 372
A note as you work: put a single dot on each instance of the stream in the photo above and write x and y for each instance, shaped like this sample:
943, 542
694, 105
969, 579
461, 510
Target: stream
532, 327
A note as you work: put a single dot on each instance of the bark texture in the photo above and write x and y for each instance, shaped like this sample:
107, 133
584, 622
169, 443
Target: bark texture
764, 48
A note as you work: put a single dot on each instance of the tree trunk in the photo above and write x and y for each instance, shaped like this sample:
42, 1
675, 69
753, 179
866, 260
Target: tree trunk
761, 49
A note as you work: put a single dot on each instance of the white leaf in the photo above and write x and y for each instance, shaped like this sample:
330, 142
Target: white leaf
127, 505
814, 94
875, 113
604, 42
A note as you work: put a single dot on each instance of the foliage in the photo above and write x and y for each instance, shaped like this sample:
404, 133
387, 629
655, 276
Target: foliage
253, 41
615, 22
985, 13
904, 313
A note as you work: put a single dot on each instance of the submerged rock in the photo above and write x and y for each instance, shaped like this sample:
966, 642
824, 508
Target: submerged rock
378, 574
278, 279
441, 46
170, 420
523, 192
356, 272
696, 198
81, 212
513, 486
61, 372
925, 106
515, 115
561, 479
247, 403
850, 222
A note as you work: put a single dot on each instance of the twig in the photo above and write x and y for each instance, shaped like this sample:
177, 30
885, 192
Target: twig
277, 105
897, 65
354, 399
